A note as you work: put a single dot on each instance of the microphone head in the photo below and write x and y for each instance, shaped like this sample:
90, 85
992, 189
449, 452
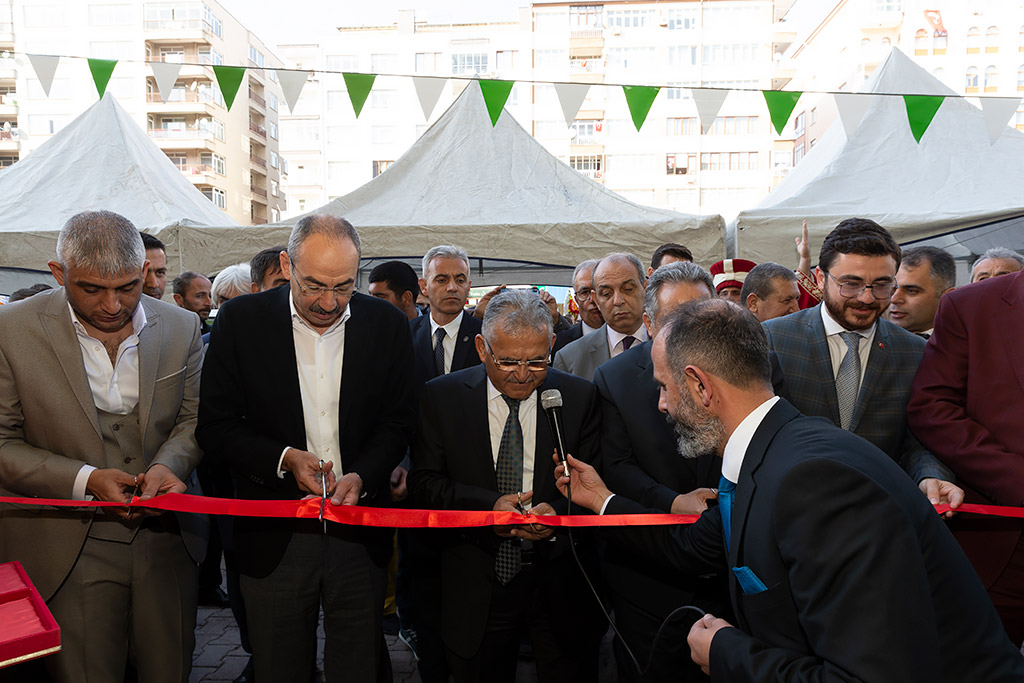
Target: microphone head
550, 398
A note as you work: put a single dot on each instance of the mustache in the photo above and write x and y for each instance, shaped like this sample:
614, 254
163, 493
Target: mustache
317, 308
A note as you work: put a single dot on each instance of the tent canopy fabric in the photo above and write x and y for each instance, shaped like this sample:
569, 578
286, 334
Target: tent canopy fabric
102, 160
953, 180
496, 192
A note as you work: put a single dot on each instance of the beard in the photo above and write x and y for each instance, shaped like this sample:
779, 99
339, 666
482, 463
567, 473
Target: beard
838, 308
697, 432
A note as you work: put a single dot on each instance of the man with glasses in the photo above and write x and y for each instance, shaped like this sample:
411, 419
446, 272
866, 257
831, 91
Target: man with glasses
842, 361
591, 319
483, 443
305, 385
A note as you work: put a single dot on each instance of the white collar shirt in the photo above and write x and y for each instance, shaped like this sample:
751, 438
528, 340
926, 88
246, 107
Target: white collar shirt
615, 339
587, 329
739, 441
837, 347
451, 333
497, 414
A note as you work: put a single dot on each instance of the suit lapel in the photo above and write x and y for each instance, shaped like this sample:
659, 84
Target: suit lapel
599, 352
879, 365
1014, 298
56, 321
463, 342
150, 343
478, 444
423, 349
357, 357
821, 360
280, 345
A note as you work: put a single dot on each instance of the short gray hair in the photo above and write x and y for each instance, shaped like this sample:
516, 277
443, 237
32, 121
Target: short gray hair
515, 311
674, 273
761, 280
999, 253
100, 240
589, 265
625, 256
322, 224
444, 251
235, 278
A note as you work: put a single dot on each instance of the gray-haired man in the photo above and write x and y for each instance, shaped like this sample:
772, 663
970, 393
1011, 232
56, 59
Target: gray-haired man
98, 394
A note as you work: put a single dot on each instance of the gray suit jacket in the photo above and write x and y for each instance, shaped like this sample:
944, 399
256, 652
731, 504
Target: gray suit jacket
583, 356
49, 426
881, 413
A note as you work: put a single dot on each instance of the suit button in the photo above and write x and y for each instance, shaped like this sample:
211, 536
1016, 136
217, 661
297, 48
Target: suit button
117, 428
127, 460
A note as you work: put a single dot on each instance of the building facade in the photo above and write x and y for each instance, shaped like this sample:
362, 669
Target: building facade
232, 157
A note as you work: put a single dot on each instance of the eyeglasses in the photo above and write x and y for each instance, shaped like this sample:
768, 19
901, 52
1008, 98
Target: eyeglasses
879, 290
584, 294
339, 292
509, 365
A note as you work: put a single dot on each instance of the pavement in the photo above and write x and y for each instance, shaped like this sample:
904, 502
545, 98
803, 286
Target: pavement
219, 655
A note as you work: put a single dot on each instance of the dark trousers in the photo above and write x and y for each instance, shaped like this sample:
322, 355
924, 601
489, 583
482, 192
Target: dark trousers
671, 662
418, 596
1007, 595
523, 610
282, 609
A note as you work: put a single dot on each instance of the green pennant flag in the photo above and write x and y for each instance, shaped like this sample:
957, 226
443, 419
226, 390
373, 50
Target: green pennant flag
101, 70
639, 98
359, 86
495, 94
229, 78
920, 112
780, 105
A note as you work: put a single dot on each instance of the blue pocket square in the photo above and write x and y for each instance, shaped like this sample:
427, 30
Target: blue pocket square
748, 580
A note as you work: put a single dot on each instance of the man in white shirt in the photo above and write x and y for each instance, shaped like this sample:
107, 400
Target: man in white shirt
98, 395
619, 281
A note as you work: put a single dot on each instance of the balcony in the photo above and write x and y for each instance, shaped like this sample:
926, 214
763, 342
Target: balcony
259, 192
203, 70
181, 101
176, 139
198, 174
259, 129
257, 99
258, 160
178, 30
586, 32
586, 65
9, 140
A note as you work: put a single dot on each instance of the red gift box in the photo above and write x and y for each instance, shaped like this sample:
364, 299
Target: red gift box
27, 629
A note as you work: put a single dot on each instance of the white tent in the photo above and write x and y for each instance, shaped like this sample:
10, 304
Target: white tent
496, 192
954, 180
101, 160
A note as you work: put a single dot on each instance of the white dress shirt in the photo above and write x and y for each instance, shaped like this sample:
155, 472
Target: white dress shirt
319, 359
615, 339
837, 347
587, 329
451, 332
115, 388
739, 441
497, 414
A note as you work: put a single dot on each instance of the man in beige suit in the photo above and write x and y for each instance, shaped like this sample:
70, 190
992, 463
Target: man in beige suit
98, 397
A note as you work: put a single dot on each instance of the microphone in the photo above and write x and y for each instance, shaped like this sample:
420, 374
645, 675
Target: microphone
551, 402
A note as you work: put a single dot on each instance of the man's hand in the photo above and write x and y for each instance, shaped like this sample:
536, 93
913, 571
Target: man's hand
510, 502
113, 486
693, 503
588, 489
481, 303
305, 467
156, 481
535, 532
348, 489
699, 640
803, 250
399, 490
551, 303
939, 491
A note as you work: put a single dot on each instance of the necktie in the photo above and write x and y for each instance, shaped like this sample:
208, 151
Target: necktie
509, 471
627, 342
848, 379
725, 492
439, 351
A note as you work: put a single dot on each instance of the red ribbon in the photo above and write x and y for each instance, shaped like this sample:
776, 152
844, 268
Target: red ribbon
393, 517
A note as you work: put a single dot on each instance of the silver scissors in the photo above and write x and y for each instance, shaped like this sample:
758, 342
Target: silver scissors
323, 493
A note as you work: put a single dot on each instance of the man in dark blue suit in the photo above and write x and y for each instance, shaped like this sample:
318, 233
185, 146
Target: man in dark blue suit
843, 362
303, 383
839, 568
483, 443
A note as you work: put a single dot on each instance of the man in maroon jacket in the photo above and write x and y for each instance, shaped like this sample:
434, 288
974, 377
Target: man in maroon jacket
972, 422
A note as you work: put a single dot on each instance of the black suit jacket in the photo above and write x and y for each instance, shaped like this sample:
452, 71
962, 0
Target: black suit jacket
465, 355
566, 337
250, 409
453, 469
863, 580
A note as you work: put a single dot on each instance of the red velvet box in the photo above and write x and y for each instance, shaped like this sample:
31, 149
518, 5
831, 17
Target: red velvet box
27, 629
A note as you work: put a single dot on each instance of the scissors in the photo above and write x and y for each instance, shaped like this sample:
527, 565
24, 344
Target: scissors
323, 491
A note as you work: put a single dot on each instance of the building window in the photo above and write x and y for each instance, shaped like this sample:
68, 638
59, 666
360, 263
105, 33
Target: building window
273, 159
710, 161
683, 19
551, 59
681, 126
585, 132
798, 124
590, 165
469, 63
506, 60
382, 99
110, 15
634, 18
973, 40
342, 62
814, 115
212, 23
972, 79
381, 166
427, 62
1020, 77
585, 16
680, 55
798, 153
992, 39
383, 63
1020, 40
273, 188
336, 99
888, 5
991, 78
677, 164
217, 196
207, 55
179, 160
886, 41
382, 135
272, 130
921, 42
272, 101
255, 56
939, 41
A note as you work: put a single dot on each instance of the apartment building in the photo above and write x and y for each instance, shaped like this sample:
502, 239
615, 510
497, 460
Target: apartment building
232, 157
669, 163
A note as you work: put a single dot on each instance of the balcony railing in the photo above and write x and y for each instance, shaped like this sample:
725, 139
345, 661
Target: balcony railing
258, 129
586, 33
179, 134
179, 96
588, 65
195, 169
586, 140
8, 135
258, 220
259, 191
178, 25
257, 98
258, 160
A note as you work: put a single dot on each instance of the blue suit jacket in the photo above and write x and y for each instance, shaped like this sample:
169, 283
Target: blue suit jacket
881, 413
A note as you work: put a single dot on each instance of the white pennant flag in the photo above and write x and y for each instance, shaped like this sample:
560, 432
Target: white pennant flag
852, 107
571, 96
45, 66
428, 90
708, 101
997, 112
292, 83
166, 75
